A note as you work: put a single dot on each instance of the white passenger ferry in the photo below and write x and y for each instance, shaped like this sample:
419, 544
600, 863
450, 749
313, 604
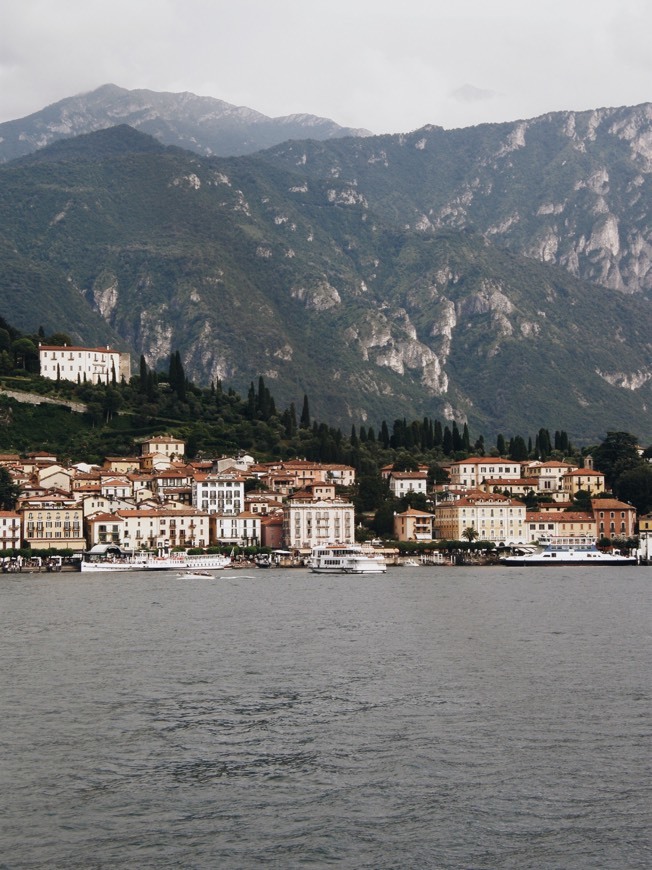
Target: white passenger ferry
345, 559
112, 558
570, 551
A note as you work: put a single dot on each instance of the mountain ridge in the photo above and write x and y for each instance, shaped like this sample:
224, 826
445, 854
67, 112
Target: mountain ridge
276, 265
205, 125
248, 273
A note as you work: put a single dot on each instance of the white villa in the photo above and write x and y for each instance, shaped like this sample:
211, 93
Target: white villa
93, 364
311, 518
472, 472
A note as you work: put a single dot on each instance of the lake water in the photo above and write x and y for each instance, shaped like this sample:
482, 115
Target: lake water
428, 718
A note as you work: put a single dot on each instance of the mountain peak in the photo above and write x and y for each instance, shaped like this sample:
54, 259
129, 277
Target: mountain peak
205, 125
96, 146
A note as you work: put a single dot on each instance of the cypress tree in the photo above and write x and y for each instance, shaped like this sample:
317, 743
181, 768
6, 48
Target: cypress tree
457, 438
466, 441
304, 423
142, 386
438, 438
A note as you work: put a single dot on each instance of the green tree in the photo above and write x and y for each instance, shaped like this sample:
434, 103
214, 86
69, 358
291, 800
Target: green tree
60, 339
518, 449
371, 492
470, 534
176, 376
25, 354
635, 486
405, 462
581, 501
304, 421
617, 453
9, 490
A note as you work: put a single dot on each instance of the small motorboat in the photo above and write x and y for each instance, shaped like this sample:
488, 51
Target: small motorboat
195, 575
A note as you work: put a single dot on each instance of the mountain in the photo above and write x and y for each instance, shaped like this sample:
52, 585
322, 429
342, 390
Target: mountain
309, 264
569, 188
201, 124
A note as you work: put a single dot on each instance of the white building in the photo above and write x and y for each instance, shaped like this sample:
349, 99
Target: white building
310, 519
93, 364
241, 529
219, 493
10, 530
150, 529
403, 482
471, 473
165, 445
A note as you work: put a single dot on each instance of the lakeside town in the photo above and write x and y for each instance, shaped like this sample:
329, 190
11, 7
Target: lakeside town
161, 499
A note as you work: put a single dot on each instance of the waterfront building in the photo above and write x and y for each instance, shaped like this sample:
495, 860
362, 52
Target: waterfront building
645, 537
10, 530
547, 524
613, 518
241, 529
310, 519
104, 528
165, 527
52, 520
413, 525
494, 517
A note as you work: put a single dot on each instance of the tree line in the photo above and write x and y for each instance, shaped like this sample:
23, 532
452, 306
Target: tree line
214, 421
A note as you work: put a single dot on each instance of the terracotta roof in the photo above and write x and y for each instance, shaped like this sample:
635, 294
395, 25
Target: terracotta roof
610, 504
186, 512
100, 517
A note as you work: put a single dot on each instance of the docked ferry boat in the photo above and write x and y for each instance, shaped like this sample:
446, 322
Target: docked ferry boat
345, 559
570, 551
112, 558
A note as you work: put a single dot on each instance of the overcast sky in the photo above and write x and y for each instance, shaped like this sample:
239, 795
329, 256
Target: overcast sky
379, 64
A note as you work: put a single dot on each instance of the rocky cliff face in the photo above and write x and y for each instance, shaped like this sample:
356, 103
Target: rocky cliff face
569, 188
384, 277
597, 225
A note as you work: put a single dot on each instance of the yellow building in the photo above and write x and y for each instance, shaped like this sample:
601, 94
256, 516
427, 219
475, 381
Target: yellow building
584, 480
413, 525
492, 516
554, 524
645, 537
53, 522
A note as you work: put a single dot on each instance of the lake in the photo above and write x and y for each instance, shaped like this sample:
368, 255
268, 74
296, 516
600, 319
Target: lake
428, 718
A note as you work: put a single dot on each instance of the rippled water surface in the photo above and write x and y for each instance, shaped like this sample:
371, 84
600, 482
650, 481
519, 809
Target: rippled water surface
440, 718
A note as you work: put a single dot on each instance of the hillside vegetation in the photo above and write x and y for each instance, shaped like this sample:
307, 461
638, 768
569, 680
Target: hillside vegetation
310, 264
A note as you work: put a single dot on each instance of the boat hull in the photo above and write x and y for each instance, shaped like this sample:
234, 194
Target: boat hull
541, 562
